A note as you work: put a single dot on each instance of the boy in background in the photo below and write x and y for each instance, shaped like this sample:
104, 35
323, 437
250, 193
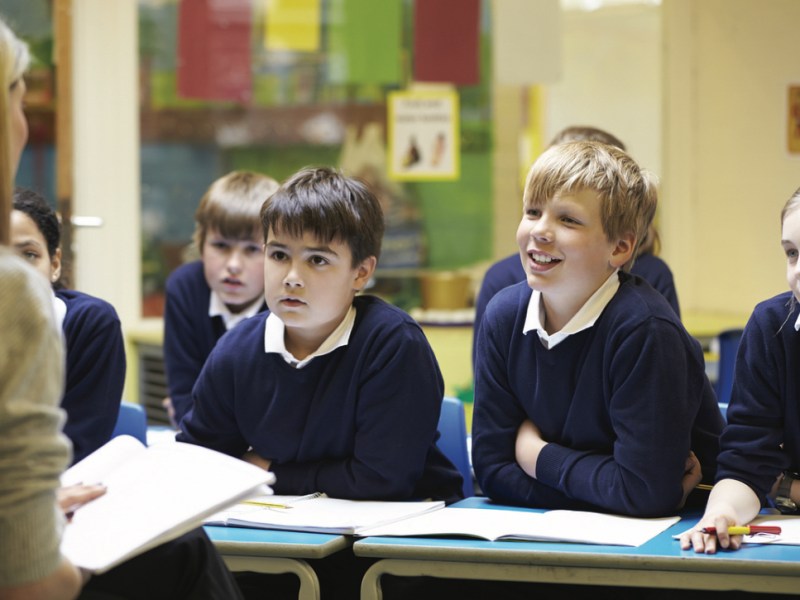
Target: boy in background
589, 394
207, 297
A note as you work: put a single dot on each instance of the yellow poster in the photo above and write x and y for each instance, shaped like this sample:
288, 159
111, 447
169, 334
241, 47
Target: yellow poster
793, 125
292, 25
423, 141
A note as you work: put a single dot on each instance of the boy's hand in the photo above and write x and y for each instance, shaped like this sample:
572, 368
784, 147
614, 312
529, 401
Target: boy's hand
692, 475
528, 446
255, 459
707, 542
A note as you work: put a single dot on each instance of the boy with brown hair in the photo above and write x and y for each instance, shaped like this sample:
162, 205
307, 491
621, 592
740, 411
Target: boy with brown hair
207, 297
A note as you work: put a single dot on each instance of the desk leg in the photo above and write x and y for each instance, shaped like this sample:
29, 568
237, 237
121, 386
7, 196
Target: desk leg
309, 583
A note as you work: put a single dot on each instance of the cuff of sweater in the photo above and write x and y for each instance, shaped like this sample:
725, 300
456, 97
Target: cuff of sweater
30, 542
548, 465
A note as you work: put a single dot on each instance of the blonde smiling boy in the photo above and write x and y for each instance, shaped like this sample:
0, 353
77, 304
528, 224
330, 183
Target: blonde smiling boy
589, 392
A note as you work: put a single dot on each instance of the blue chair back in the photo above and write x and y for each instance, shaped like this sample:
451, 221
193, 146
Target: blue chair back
728, 347
453, 440
132, 421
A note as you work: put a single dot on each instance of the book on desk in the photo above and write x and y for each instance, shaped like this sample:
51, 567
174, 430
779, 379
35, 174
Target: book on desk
317, 513
543, 526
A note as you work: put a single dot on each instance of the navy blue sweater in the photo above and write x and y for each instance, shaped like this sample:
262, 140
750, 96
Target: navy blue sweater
762, 437
509, 271
95, 371
621, 404
189, 333
357, 423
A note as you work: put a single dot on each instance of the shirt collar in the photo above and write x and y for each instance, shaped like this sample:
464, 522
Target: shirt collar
274, 339
217, 308
583, 319
797, 323
60, 308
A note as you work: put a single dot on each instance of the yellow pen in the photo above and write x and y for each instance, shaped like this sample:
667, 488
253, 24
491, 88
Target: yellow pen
265, 504
278, 505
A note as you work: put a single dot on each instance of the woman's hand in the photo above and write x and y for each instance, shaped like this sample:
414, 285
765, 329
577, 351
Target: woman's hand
72, 497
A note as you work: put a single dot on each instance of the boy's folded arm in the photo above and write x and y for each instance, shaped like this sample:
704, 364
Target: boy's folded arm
656, 390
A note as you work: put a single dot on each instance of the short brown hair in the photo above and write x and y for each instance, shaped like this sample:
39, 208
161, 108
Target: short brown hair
326, 203
627, 193
232, 205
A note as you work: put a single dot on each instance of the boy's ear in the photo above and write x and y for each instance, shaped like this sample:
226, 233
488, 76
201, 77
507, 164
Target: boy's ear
364, 272
623, 251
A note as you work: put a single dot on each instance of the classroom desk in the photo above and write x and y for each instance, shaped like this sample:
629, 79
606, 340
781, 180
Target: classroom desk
272, 551
659, 563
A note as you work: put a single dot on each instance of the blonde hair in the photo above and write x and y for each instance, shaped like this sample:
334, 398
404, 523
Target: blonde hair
791, 205
627, 193
14, 59
232, 206
651, 241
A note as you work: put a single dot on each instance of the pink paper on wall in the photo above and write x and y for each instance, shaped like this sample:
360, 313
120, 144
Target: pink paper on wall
214, 50
446, 34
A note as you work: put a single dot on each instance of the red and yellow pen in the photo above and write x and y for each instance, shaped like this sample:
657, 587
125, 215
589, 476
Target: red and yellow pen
746, 529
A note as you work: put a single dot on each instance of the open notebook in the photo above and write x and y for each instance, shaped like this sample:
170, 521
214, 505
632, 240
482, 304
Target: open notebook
318, 514
154, 495
553, 526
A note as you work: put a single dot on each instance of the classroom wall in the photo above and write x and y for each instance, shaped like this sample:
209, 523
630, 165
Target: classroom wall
610, 78
106, 153
696, 89
727, 172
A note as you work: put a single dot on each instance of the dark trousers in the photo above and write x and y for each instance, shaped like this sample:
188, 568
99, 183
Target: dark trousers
188, 567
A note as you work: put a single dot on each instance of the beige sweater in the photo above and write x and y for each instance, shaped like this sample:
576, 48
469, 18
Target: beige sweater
33, 452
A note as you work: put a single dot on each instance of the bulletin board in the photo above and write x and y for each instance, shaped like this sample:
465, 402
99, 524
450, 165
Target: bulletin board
423, 140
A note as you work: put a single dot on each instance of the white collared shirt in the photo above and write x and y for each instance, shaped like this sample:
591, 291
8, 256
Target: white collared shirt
60, 308
217, 308
274, 340
583, 319
797, 324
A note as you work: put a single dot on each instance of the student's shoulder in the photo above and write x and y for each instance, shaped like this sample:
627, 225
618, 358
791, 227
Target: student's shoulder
636, 301
776, 311
510, 300
87, 312
82, 301
650, 265
377, 311
188, 277
508, 269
